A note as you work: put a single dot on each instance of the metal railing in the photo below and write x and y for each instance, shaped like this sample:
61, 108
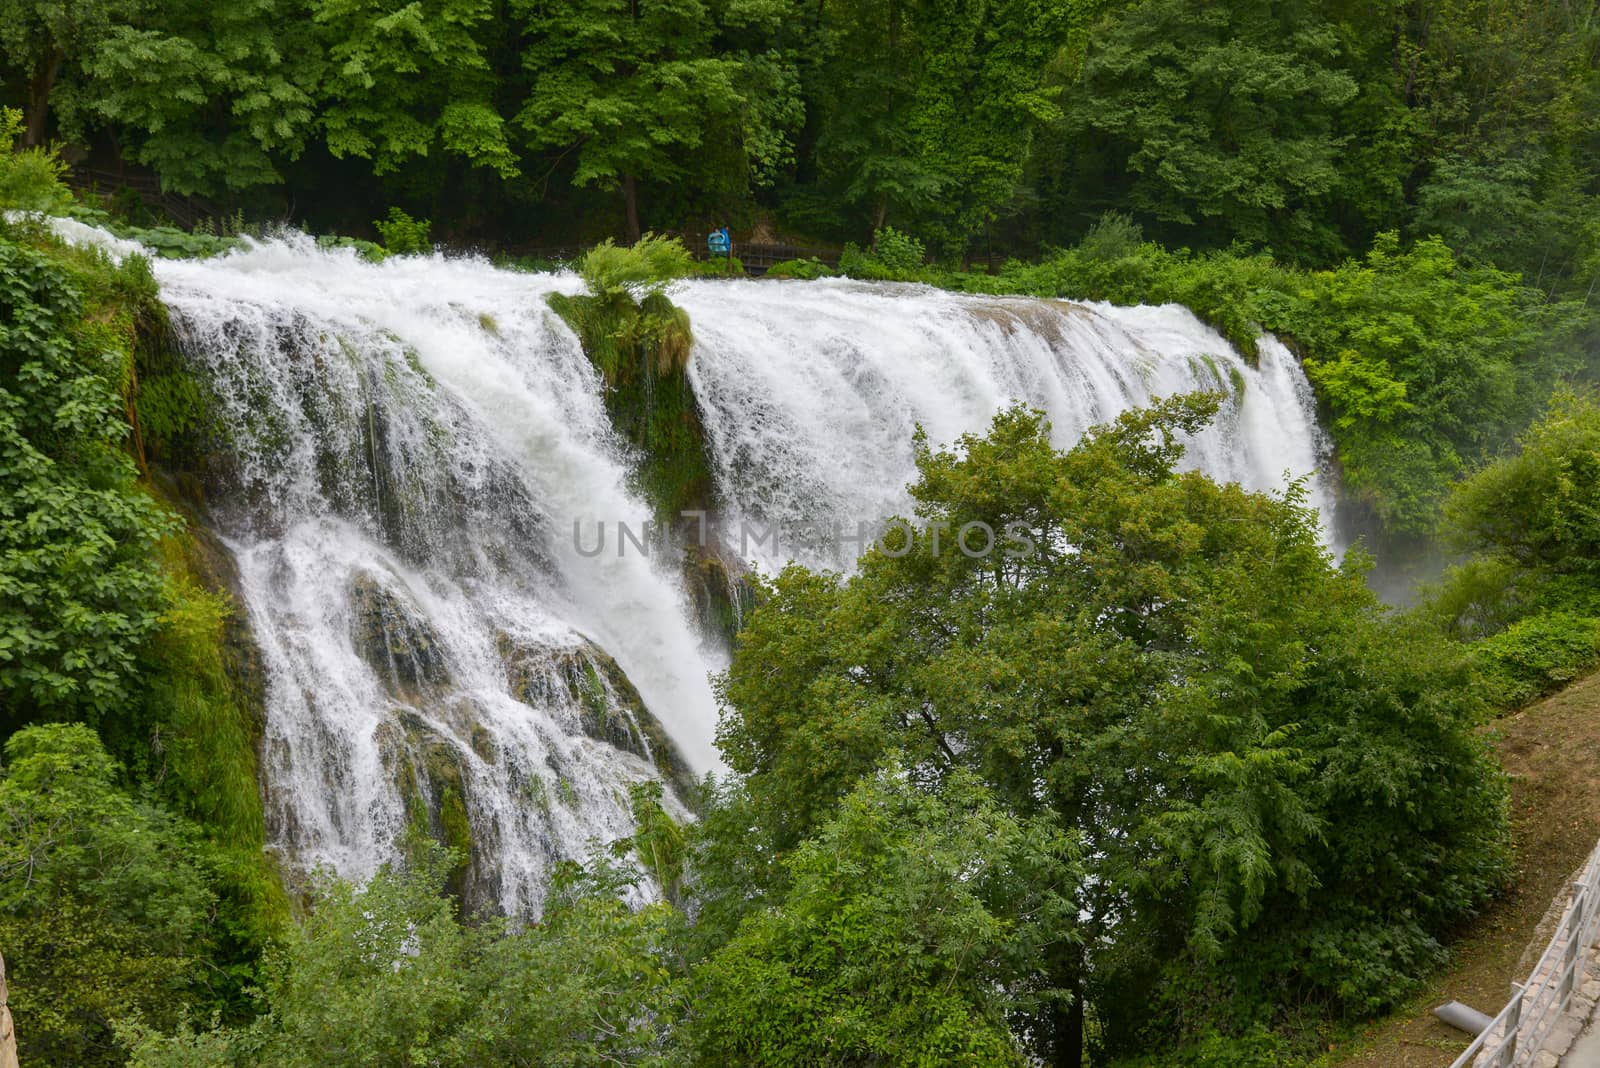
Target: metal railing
1514, 1038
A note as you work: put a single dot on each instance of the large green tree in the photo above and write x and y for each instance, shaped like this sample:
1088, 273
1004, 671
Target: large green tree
923, 113
1237, 119
1426, 364
893, 936
105, 907
1278, 787
629, 88
213, 97
42, 40
407, 79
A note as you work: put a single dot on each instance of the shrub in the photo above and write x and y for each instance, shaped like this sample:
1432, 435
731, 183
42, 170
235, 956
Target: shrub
804, 269
646, 266
402, 235
104, 902
640, 341
893, 257
718, 267
1537, 656
30, 178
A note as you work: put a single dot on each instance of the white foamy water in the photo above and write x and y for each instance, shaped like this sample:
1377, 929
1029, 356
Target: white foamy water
407, 448
410, 445
812, 390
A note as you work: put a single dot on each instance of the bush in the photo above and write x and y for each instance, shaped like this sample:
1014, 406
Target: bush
1540, 507
30, 179
171, 243
387, 974
647, 266
893, 257
80, 591
104, 902
402, 235
1537, 656
807, 269
718, 267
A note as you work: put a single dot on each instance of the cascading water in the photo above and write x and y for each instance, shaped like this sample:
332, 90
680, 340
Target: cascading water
405, 450
410, 445
811, 392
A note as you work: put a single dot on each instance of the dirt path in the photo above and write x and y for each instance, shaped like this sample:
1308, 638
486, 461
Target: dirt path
1551, 750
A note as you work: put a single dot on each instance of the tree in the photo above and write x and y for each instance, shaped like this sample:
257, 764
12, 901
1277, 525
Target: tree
1231, 120
1506, 96
405, 78
1426, 364
212, 96
42, 39
105, 908
894, 937
924, 112
628, 88
1276, 785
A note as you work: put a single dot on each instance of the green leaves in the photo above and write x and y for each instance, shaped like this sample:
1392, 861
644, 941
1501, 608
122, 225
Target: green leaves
386, 974
1226, 113
1258, 762
633, 91
903, 922
104, 905
403, 80
79, 590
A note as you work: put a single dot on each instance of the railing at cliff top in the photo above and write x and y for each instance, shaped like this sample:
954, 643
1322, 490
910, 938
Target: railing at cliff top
1515, 1036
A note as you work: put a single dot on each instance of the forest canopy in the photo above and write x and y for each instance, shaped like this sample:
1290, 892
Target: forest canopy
1005, 126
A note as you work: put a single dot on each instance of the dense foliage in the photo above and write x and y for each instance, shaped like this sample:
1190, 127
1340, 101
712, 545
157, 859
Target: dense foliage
137, 881
1277, 786
107, 906
1305, 127
1530, 593
1171, 787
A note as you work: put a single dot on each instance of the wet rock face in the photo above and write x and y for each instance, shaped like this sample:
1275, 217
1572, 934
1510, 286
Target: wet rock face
608, 707
395, 640
427, 767
720, 586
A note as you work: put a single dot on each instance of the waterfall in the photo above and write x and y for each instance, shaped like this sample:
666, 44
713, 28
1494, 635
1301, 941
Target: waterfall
408, 446
406, 450
812, 390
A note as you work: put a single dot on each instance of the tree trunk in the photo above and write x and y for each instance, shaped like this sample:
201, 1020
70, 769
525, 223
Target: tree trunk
39, 88
1066, 1021
8, 1035
630, 197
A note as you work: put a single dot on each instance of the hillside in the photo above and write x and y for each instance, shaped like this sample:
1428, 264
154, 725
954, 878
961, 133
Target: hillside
1550, 750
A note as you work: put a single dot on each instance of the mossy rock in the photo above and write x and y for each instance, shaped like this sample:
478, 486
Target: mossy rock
609, 708
720, 587
429, 773
641, 350
395, 641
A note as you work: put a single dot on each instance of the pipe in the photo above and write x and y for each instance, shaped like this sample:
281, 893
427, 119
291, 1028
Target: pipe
1463, 1017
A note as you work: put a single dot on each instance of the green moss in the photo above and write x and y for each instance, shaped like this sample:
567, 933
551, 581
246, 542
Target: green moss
640, 343
204, 706
427, 771
719, 588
